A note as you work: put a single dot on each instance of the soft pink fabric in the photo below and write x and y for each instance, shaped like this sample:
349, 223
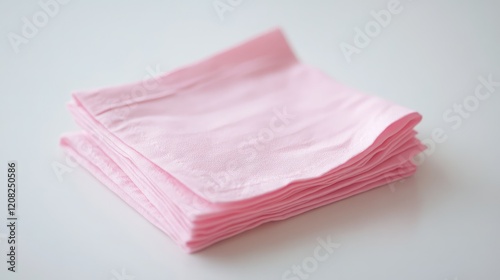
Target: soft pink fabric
248, 136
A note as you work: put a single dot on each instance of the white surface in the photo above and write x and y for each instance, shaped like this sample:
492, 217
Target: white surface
444, 223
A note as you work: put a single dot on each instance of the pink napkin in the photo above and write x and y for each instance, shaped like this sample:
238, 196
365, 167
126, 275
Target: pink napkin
248, 136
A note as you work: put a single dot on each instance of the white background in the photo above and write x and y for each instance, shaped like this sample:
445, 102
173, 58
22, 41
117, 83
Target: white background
444, 223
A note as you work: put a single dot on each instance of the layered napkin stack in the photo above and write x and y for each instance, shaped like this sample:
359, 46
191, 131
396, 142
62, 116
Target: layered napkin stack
248, 136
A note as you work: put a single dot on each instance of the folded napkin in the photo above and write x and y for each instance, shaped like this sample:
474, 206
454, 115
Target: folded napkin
248, 136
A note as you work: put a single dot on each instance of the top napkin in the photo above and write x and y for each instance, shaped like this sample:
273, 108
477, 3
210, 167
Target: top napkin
245, 122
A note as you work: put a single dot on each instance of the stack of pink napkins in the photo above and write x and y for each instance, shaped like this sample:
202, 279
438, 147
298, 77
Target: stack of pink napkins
248, 136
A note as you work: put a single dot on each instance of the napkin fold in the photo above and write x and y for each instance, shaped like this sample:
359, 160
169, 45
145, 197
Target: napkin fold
248, 136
